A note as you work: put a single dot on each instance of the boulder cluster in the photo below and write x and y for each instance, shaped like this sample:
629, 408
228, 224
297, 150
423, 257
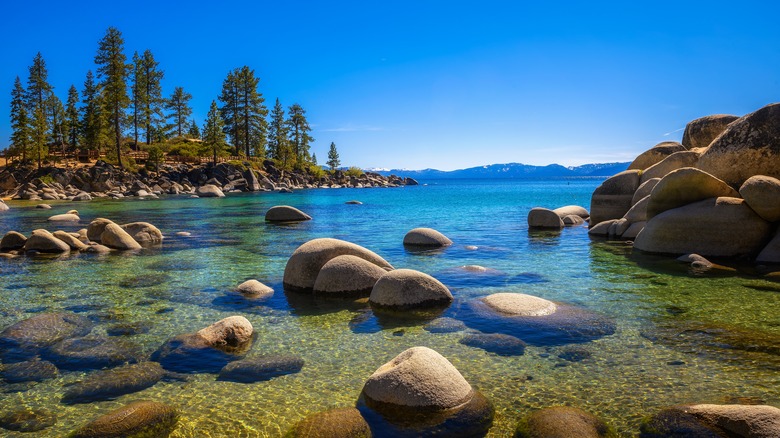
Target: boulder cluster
716, 194
102, 235
105, 180
568, 216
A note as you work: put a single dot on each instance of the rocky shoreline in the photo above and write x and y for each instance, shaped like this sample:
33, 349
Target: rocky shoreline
103, 180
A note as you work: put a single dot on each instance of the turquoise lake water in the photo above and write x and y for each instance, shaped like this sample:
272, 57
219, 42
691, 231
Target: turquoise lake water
681, 336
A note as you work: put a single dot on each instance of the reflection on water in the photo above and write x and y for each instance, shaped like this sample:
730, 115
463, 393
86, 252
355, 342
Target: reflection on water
679, 336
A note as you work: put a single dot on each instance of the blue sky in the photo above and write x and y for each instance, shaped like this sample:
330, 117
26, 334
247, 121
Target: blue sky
417, 84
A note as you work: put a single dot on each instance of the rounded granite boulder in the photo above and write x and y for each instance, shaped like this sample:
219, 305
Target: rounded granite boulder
73, 242
143, 232
305, 263
12, 240
25, 339
66, 217
44, 241
114, 236
254, 289
27, 420
89, 353
685, 186
426, 237
500, 344
563, 422
569, 210
762, 194
28, 371
715, 227
96, 228
137, 419
748, 146
111, 383
535, 320
260, 368
422, 390
285, 213
699, 133
677, 160
335, 423
407, 289
540, 217
347, 275
655, 154
209, 191
715, 421
232, 331
612, 199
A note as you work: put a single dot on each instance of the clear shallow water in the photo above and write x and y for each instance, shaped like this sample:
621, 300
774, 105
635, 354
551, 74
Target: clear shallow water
666, 349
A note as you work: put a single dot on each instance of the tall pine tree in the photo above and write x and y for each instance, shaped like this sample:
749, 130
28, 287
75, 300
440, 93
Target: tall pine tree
71, 125
333, 157
244, 112
298, 131
277, 134
213, 134
179, 107
39, 92
56, 119
93, 118
194, 131
137, 95
20, 121
153, 99
112, 72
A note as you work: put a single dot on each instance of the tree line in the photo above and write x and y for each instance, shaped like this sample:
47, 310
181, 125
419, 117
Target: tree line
121, 106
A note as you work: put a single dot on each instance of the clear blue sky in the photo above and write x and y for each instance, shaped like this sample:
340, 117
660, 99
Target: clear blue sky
442, 84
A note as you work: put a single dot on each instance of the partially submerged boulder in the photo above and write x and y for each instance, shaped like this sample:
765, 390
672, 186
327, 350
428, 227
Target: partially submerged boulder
254, 288
12, 240
715, 227
143, 232
572, 210
305, 263
209, 191
137, 419
285, 213
708, 420
96, 228
749, 146
426, 237
407, 289
612, 199
231, 331
540, 217
114, 236
685, 186
655, 154
699, 133
25, 339
43, 241
73, 242
335, 423
67, 217
563, 422
260, 368
347, 275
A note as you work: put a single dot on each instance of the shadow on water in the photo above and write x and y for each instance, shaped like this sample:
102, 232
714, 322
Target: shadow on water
367, 321
544, 238
308, 304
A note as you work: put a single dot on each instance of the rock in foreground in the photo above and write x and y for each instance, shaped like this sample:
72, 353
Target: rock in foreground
563, 422
137, 419
706, 420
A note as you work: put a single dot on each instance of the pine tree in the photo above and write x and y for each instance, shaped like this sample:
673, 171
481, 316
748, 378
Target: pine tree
40, 149
71, 125
277, 133
93, 118
179, 108
20, 121
138, 95
314, 159
213, 134
154, 102
56, 118
38, 97
113, 72
244, 112
194, 131
333, 157
298, 128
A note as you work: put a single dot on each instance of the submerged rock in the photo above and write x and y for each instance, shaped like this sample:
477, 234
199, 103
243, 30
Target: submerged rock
137, 419
254, 288
112, 383
260, 368
716, 421
500, 344
25, 339
406, 289
445, 325
347, 275
426, 237
563, 422
28, 371
93, 353
27, 420
335, 423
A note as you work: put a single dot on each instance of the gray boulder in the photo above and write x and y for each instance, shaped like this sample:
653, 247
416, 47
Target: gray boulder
685, 186
699, 133
406, 289
285, 213
347, 275
426, 237
540, 217
138, 419
762, 194
112, 383
612, 199
209, 191
114, 236
655, 155
43, 241
12, 240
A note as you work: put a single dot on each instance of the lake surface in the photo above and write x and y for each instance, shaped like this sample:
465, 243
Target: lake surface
681, 337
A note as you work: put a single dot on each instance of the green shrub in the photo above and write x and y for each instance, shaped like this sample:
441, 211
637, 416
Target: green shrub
354, 171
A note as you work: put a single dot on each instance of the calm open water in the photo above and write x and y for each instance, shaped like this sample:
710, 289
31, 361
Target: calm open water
669, 346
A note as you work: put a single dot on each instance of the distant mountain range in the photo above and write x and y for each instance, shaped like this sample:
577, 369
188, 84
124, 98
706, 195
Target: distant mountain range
511, 171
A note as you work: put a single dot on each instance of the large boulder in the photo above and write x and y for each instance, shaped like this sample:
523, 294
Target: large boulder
572, 210
762, 194
644, 189
638, 213
138, 419
535, 320
12, 240
93, 352
231, 331
562, 422
26, 338
285, 213
655, 155
66, 217
335, 423
612, 199
96, 228
407, 289
28, 371
254, 289
111, 383
716, 421
305, 263
426, 237
715, 227
43, 241
73, 242
27, 420
685, 186
347, 275
749, 146
209, 191
260, 368
677, 160
114, 236
143, 232
540, 217
699, 133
